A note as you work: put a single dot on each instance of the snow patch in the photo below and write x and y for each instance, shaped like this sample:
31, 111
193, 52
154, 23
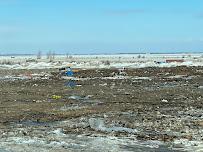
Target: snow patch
98, 124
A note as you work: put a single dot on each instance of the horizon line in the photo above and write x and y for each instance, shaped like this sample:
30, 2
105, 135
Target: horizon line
27, 54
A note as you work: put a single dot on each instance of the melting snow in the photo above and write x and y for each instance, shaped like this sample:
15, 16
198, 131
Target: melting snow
98, 124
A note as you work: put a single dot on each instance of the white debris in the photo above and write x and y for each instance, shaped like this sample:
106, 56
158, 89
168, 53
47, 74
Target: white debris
141, 78
176, 76
98, 124
74, 97
200, 87
72, 107
164, 100
77, 143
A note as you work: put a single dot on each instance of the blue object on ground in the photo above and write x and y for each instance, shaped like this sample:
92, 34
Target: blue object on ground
69, 72
70, 84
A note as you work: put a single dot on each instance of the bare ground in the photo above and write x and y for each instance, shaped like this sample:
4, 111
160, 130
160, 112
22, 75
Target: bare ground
163, 104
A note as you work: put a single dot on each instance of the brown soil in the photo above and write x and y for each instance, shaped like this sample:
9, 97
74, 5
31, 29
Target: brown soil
151, 106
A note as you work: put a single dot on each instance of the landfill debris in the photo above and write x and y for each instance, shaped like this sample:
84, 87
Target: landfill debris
200, 87
56, 97
174, 60
73, 107
159, 62
69, 72
164, 100
71, 84
132, 102
122, 72
74, 97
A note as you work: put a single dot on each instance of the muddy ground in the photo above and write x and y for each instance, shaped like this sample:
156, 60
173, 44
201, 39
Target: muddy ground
149, 104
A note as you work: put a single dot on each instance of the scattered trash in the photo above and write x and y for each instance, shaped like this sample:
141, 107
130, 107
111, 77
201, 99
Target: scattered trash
72, 107
70, 84
176, 77
159, 62
56, 97
122, 72
200, 87
174, 60
105, 84
62, 69
69, 72
164, 100
75, 70
13, 78
79, 97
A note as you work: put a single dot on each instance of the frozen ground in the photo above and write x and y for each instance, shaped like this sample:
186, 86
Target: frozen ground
146, 107
80, 143
100, 61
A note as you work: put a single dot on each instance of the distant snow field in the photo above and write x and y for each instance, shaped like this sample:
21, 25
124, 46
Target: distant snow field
101, 61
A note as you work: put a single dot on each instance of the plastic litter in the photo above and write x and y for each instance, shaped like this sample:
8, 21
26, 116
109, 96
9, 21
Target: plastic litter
70, 84
56, 97
69, 72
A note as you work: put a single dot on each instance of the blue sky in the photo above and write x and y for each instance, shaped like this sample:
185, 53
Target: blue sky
101, 26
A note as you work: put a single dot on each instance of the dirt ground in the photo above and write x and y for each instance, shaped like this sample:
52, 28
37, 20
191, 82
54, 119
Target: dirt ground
163, 104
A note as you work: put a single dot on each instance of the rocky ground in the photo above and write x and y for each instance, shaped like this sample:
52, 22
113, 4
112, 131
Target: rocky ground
147, 109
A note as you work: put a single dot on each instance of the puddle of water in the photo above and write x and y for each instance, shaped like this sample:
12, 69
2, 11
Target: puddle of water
75, 97
185, 77
73, 142
4, 150
24, 77
71, 84
81, 105
72, 107
81, 143
13, 78
162, 85
35, 123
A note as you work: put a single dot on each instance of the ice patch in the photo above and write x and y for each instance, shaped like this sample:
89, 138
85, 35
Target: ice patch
13, 78
195, 146
58, 132
106, 78
72, 107
98, 124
